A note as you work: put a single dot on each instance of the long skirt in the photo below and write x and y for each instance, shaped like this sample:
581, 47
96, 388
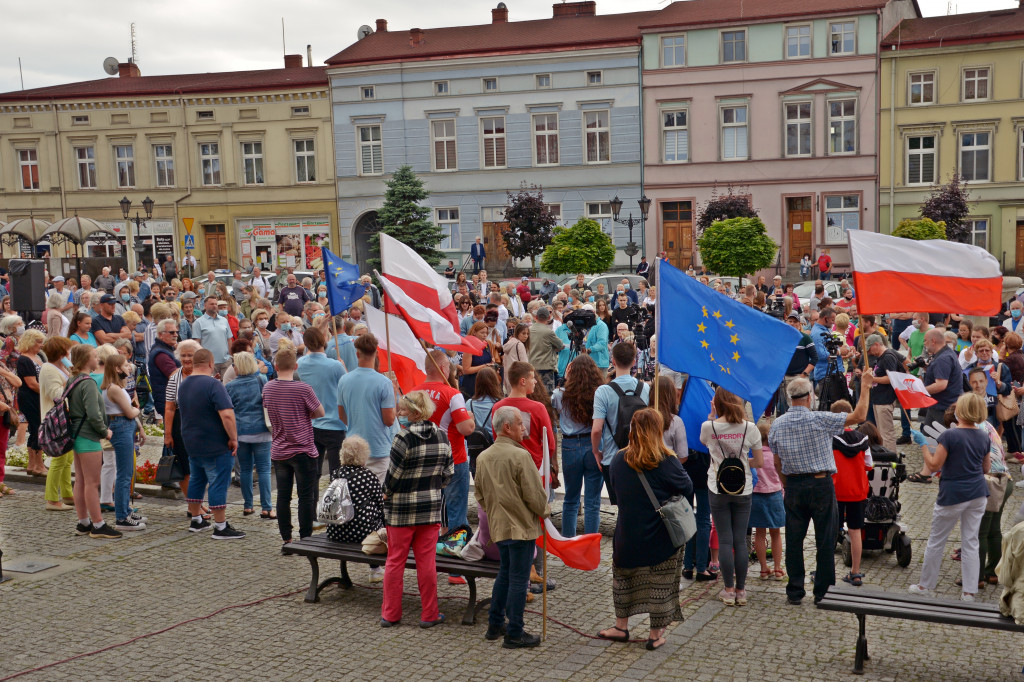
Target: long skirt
649, 589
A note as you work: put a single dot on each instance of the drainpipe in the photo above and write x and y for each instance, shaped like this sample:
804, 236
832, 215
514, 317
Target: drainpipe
188, 172
60, 166
892, 142
640, 92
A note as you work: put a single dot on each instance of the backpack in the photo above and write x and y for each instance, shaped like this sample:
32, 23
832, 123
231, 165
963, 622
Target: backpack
55, 437
480, 439
731, 478
336, 505
630, 402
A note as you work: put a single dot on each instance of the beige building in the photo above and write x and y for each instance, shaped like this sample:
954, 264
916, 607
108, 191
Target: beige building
244, 157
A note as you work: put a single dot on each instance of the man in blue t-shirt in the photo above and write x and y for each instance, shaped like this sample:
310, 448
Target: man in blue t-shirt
366, 403
943, 378
323, 373
606, 405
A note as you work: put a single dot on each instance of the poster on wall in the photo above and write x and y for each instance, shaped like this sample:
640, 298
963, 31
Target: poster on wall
314, 244
289, 248
164, 246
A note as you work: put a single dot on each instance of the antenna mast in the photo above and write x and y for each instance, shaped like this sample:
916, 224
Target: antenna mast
135, 56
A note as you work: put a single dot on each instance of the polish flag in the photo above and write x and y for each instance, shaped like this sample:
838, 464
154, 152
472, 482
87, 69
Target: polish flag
407, 354
910, 390
894, 275
582, 552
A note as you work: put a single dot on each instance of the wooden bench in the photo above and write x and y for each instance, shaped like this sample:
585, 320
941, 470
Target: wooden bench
865, 603
320, 547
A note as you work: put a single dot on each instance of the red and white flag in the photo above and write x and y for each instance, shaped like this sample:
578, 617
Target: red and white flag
910, 390
582, 552
408, 358
894, 275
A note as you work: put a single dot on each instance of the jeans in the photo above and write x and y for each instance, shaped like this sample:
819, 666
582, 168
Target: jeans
456, 497
328, 443
731, 513
699, 546
810, 499
123, 440
904, 423
257, 454
214, 472
580, 471
944, 518
423, 541
1012, 432
508, 597
301, 469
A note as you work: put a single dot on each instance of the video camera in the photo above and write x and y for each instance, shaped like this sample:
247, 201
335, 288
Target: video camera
776, 307
832, 344
579, 322
640, 320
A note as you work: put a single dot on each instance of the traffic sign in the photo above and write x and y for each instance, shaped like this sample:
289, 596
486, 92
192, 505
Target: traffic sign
190, 242
188, 227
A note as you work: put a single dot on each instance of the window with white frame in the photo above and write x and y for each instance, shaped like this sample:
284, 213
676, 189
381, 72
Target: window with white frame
975, 155
675, 136
734, 46
124, 155
922, 88
371, 150
842, 213
921, 159
842, 37
442, 133
545, 139
368, 92
440, 87
85, 161
305, 160
673, 51
28, 164
734, 133
842, 126
543, 81
976, 86
798, 41
979, 232
252, 163
82, 120
601, 211
555, 211
490, 85
164, 156
492, 137
1020, 153
448, 221
302, 110
595, 77
798, 128
598, 136
209, 163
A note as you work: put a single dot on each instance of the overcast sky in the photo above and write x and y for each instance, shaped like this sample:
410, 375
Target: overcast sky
62, 41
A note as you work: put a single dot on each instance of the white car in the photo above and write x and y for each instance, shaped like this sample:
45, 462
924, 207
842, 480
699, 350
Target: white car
805, 290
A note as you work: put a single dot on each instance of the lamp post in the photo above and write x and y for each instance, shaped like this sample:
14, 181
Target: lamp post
645, 206
134, 245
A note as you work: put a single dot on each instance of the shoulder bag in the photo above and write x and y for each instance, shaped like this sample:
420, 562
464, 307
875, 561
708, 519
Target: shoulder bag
1007, 407
676, 514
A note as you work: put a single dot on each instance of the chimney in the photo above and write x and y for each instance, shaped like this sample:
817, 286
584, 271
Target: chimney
293, 61
382, 26
128, 70
309, 55
499, 15
415, 36
586, 8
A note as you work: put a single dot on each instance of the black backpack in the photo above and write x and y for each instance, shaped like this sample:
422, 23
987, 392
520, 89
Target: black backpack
731, 478
630, 402
478, 441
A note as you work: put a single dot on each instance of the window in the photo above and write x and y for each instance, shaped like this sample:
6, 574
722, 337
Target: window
367, 92
555, 211
440, 87
371, 151
601, 211
28, 161
673, 51
209, 163
842, 126
921, 160
798, 41
305, 161
543, 81
734, 46
85, 160
490, 85
675, 136
734, 133
492, 131
1020, 153
80, 120
545, 139
124, 154
443, 132
974, 156
448, 221
252, 163
204, 115
842, 37
842, 213
922, 88
164, 155
299, 111
595, 77
979, 232
975, 84
597, 136
798, 129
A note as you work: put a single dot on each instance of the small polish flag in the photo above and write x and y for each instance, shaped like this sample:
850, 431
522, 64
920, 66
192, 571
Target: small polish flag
910, 390
407, 353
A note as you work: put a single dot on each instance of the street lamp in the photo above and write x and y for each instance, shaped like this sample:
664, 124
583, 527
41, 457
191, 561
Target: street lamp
135, 245
645, 206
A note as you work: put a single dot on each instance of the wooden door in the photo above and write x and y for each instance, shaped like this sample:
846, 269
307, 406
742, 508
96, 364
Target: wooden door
216, 247
1020, 247
494, 246
798, 227
677, 232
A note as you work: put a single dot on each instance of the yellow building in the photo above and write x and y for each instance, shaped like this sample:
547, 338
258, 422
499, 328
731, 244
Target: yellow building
951, 101
242, 156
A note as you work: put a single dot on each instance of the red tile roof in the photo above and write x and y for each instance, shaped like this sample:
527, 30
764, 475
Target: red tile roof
694, 12
974, 27
163, 86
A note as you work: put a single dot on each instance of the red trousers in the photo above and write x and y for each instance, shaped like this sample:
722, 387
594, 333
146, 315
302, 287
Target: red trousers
423, 540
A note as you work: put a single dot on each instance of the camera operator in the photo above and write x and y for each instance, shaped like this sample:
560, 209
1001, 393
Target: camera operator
801, 365
821, 333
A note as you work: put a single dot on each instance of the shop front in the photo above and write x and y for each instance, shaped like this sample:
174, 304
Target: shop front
284, 242
157, 236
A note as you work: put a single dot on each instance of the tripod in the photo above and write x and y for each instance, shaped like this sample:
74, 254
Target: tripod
833, 385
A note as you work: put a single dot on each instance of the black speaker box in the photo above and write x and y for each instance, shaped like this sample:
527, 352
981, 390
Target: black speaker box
27, 293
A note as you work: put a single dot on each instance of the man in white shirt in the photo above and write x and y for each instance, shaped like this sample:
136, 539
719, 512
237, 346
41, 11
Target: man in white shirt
67, 305
260, 284
1015, 322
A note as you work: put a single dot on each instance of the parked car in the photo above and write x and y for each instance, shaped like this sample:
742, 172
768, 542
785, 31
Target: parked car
609, 280
805, 290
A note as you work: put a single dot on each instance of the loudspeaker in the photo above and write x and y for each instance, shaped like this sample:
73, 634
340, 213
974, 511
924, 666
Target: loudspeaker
27, 294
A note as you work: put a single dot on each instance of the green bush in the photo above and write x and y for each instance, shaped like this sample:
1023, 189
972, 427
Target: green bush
923, 228
583, 247
736, 247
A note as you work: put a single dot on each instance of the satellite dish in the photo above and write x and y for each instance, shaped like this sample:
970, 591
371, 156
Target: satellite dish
364, 31
110, 66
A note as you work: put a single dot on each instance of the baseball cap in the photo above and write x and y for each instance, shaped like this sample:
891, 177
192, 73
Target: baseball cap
793, 315
188, 295
875, 338
58, 278
108, 298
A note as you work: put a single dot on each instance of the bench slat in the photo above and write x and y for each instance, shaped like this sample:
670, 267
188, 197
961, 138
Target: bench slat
858, 593
965, 609
906, 607
322, 547
931, 614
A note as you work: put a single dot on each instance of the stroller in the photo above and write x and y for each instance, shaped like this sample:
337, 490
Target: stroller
883, 527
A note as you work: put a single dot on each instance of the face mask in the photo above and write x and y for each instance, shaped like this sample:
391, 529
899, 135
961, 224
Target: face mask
917, 324
19, 331
403, 421
591, 299
125, 297
286, 327
202, 290
262, 324
1015, 314
322, 292
66, 362
318, 317
222, 313
626, 287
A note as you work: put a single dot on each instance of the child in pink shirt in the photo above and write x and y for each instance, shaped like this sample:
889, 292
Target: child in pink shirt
767, 511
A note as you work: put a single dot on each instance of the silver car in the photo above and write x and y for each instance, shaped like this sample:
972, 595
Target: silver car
610, 281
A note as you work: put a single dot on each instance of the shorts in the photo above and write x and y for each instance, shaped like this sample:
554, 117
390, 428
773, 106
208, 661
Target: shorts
767, 511
213, 472
852, 513
83, 444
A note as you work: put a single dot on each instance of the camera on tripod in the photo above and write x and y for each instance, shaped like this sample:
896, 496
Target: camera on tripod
832, 344
776, 307
579, 323
639, 319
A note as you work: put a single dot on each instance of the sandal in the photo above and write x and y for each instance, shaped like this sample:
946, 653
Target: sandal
248, 512
624, 638
956, 555
919, 478
992, 580
652, 644
136, 496
855, 579
6, 490
765, 575
206, 517
779, 574
268, 514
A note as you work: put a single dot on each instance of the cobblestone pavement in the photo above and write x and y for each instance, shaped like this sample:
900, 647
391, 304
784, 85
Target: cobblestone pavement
103, 593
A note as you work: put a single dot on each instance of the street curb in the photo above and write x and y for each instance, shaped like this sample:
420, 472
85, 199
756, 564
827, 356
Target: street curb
19, 475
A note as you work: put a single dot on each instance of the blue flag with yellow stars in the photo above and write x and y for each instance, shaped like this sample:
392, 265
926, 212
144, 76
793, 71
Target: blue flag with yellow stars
343, 287
711, 336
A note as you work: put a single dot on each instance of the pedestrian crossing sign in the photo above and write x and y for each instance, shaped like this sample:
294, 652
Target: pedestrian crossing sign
190, 242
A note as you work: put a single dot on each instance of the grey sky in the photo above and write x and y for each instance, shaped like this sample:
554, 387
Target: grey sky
63, 41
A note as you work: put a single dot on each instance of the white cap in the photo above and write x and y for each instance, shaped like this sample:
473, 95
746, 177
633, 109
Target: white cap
58, 278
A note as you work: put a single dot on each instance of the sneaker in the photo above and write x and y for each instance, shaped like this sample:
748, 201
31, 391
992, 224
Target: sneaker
741, 597
494, 632
728, 598
903, 440
130, 524
921, 591
138, 517
228, 533
966, 597
104, 532
793, 601
83, 528
319, 525
199, 526
456, 580
523, 641
431, 623
376, 574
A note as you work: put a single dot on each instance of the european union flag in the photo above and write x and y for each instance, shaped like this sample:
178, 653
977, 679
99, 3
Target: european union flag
694, 410
711, 336
343, 287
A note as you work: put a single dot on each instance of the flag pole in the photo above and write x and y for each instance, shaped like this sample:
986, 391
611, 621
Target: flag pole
434, 362
544, 559
657, 326
337, 346
383, 300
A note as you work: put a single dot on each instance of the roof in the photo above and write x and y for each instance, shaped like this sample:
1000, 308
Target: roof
694, 12
561, 33
1007, 24
141, 86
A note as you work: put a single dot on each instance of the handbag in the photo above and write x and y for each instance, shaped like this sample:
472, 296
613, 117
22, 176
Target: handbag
376, 542
9, 419
997, 485
676, 514
1007, 407
168, 470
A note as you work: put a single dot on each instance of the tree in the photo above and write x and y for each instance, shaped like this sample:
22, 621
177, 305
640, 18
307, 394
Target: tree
583, 247
925, 228
736, 247
950, 204
723, 207
404, 219
529, 224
